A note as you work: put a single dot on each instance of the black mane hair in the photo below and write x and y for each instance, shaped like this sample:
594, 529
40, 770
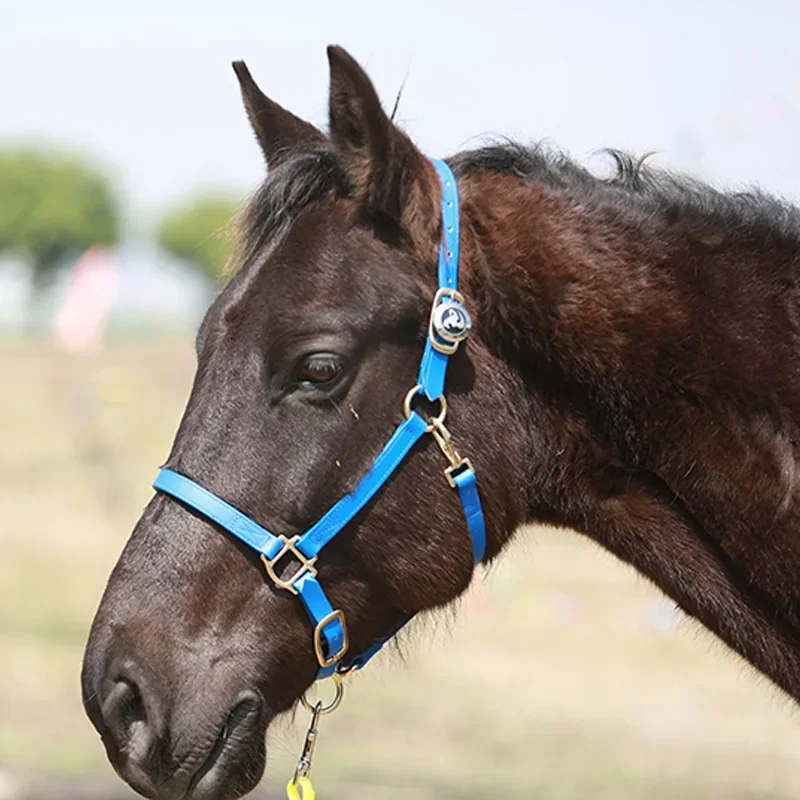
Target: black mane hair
634, 187
300, 179
637, 187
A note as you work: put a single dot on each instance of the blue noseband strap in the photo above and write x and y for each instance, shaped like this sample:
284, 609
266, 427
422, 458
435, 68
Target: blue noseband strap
449, 325
217, 510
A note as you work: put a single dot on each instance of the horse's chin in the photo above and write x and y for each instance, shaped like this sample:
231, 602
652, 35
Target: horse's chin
236, 761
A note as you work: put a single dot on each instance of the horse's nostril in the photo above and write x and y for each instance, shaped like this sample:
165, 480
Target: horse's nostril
249, 704
125, 719
131, 708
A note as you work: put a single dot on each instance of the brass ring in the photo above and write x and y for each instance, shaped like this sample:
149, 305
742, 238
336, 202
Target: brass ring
433, 421
334, 704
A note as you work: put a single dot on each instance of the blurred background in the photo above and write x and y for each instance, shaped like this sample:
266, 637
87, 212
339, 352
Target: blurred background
123, 152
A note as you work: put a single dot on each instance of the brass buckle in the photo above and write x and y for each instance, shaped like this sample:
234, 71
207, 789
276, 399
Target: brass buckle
318, 631
306, 564
448, 473
448, 348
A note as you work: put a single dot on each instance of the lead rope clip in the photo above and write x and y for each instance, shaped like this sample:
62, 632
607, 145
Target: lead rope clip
299, 786
445, 441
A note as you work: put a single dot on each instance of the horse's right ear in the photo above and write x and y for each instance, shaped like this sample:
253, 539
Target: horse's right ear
276, 129
391, 179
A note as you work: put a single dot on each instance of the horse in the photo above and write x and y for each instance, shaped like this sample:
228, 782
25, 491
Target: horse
630, 373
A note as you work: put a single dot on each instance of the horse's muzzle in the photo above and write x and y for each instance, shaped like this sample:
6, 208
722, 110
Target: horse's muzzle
176, 756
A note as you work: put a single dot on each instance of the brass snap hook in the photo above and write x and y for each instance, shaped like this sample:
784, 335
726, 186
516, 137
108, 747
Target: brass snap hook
307, 754
299, 786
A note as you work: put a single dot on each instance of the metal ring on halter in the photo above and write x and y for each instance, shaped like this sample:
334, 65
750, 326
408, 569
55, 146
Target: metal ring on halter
434, 421
334, 704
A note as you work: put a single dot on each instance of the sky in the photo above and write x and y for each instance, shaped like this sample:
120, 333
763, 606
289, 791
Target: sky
147, 88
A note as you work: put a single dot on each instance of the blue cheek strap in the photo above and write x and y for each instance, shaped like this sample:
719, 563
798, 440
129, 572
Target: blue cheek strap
448, 326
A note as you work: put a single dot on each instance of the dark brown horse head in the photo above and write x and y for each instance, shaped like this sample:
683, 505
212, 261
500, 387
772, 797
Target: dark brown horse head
303, 363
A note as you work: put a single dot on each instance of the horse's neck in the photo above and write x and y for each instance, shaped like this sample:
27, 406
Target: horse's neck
659, 433
642, 326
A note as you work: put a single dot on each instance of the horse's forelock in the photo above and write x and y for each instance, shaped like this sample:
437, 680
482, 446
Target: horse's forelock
301, 179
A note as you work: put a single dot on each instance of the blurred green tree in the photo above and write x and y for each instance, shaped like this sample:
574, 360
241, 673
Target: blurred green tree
198, 233
53, 205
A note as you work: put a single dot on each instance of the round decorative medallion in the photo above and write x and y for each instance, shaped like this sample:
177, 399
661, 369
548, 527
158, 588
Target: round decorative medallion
451, 321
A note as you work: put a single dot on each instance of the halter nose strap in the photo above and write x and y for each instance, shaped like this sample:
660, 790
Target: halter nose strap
449, 325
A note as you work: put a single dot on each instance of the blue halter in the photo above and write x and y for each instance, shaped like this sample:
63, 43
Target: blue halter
449, 325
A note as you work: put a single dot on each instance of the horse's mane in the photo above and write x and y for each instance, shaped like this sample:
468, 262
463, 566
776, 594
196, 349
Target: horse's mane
307, 174
638, 187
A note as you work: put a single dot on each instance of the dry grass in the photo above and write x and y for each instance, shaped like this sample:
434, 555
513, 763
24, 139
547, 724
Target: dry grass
554, 682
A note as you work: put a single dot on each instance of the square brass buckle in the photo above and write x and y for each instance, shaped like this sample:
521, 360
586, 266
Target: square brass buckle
290, 547
318, 642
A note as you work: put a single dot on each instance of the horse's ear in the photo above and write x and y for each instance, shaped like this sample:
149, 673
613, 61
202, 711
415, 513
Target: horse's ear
276, 129
392, 180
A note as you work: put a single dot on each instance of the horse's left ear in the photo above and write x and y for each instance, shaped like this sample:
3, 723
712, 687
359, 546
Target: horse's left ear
393, 181
276, 129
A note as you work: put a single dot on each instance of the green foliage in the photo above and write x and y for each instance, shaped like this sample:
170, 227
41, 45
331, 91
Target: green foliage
53, 205
198, 234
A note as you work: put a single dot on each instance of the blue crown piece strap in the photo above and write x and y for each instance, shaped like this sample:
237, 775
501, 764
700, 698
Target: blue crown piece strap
433, 369
449, 249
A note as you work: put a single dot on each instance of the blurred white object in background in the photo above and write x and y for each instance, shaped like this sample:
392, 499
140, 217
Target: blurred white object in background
82, 318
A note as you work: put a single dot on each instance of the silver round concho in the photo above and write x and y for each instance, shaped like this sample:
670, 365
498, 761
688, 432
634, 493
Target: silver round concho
451, 321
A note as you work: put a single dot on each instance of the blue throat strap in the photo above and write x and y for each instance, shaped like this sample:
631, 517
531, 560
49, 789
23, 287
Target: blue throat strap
449, 325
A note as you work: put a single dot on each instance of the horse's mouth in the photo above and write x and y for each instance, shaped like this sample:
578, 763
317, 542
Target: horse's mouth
235, 763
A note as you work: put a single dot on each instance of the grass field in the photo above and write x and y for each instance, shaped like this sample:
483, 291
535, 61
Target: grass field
561, 677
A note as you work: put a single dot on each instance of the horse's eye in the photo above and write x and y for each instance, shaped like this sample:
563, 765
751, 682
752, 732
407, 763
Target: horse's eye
319, 369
